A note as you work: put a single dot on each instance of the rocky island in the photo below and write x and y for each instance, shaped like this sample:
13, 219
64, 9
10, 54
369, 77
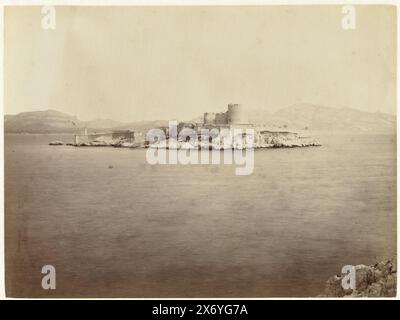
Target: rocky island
207, 134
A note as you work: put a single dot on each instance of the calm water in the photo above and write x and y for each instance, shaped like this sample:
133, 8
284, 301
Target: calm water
172, 231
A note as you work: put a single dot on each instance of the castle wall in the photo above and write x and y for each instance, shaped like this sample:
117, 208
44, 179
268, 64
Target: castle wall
221, 118
209, 118
236, 114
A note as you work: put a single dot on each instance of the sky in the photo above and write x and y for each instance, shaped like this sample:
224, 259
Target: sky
149, 63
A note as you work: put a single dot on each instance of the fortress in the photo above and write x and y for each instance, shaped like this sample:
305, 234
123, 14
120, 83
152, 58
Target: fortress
236, 115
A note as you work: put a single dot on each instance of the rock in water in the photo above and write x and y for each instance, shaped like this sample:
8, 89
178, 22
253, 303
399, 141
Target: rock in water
56, 143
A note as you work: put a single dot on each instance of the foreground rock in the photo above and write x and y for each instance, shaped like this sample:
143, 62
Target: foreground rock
379, 280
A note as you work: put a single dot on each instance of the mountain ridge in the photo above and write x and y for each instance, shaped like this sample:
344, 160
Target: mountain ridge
296, 117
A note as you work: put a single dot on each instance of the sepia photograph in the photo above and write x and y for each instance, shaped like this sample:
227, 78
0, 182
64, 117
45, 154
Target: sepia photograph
200, 151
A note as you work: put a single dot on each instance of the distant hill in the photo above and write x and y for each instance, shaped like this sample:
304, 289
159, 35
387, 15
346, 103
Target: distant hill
319, 118
142, 125
48, 121
312, 117
344, 119
52, 121
101, 124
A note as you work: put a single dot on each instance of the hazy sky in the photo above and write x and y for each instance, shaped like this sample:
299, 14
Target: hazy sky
135, 63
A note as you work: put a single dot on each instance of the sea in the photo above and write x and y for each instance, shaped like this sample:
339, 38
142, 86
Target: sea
112, 225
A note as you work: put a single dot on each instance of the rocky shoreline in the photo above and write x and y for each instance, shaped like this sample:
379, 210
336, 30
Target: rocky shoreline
379, 280
274, 142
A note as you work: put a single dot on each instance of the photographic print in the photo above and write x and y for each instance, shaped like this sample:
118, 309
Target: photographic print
202, 151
